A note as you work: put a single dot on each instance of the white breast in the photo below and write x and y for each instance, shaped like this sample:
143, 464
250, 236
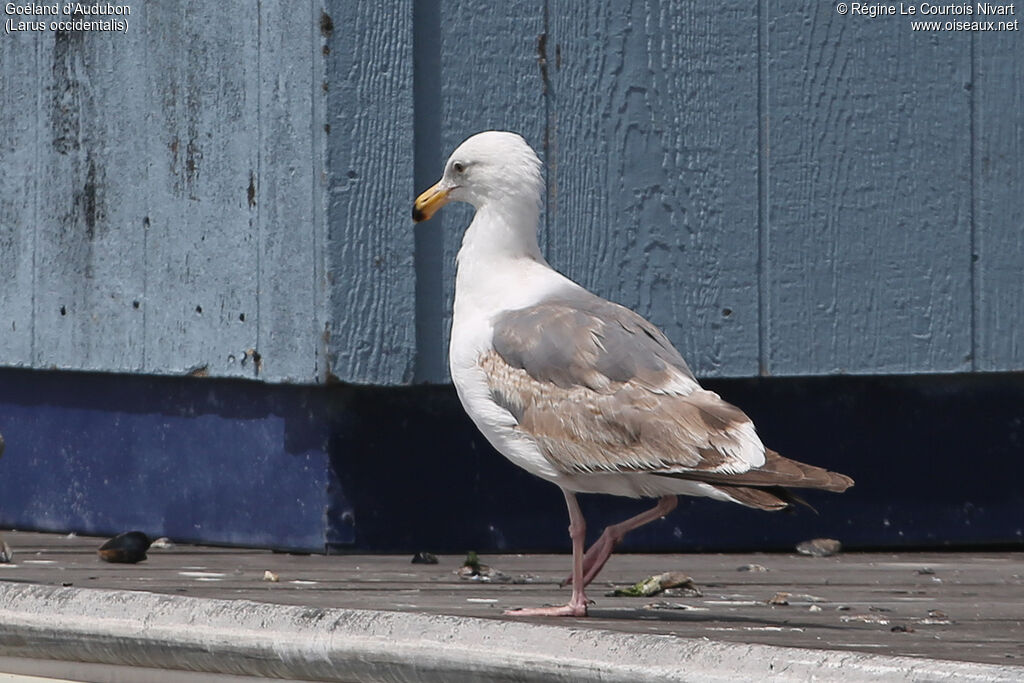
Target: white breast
480, 294
498, 425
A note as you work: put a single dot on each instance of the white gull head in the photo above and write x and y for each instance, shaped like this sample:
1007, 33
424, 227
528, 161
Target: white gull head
488, 169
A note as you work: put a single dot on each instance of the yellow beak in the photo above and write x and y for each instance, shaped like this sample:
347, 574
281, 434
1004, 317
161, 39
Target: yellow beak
427, 204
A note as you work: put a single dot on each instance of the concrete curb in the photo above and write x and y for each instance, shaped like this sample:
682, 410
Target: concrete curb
135, 628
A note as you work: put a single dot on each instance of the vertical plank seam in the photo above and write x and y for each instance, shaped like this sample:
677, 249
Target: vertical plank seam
32, 361
548, 135
973, 256
259, 168
428, 251
316, 126
762, 190
147, 71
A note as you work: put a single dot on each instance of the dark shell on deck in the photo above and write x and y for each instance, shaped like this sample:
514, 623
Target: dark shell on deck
128, 548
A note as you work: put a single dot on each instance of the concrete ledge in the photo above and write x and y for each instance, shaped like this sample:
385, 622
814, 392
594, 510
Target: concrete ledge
134, 628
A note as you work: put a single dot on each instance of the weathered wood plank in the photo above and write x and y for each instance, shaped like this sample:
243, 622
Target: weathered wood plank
999, 202
181, 198
868, 195
654, 194
491, 79
202, 245
90, 238
369, 269
19, 102
289, 190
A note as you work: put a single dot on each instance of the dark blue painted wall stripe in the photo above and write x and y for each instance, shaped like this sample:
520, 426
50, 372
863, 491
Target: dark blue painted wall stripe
936, 461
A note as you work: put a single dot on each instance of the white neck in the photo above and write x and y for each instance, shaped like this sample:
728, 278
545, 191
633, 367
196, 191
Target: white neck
500, 266
502, 230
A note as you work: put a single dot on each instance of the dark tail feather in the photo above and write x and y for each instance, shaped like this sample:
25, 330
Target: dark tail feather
777, 471
771, 498
795, 499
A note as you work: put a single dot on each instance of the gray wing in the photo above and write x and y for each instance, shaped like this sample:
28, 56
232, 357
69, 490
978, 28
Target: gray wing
590, 342
600, 389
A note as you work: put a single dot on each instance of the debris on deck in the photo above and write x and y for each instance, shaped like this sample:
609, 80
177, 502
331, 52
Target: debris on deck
127, 548
424, 558
668, 583
819, 547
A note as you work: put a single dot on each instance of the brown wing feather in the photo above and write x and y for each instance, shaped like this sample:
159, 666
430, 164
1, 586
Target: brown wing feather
630, 429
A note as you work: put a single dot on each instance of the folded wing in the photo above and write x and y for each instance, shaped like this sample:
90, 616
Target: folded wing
601, 390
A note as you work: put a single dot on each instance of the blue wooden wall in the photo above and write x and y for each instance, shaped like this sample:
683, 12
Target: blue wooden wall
224, 190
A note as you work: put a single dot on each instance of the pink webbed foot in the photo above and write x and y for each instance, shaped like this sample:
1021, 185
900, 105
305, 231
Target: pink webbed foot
573, 609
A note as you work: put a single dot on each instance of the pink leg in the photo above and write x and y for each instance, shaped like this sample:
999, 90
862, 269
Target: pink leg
599, 553
577, 606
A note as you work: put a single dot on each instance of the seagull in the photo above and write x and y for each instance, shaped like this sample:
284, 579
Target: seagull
578, 390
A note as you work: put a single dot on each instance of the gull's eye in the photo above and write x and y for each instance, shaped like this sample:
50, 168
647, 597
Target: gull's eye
458, 167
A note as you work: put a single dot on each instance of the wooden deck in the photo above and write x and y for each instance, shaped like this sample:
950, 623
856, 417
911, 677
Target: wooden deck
962, 606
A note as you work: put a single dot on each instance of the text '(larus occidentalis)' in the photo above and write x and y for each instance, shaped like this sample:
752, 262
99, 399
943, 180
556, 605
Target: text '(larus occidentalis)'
576, 389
